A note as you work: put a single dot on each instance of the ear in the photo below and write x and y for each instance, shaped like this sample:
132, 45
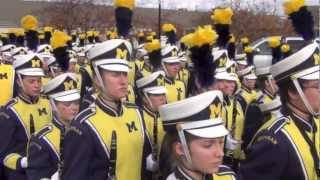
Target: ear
178, 149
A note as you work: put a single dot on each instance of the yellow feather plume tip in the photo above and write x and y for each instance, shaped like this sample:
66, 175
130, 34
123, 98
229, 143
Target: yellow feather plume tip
248, 49
47, 29
244, 40
285, 48
203, 36
89, 33
168, 28
232, 39
222, 16
19, 32
29, 22
291, 6
149, 38
152, 46
140, 34
41, 36
125, 3
59, 39
274, 42
82, 36
187, 38
96, 33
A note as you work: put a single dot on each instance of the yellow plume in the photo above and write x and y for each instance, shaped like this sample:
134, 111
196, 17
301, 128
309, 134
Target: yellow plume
201, 37
152, 46
125, 3
248, 49
153, 33
187, 38
41, 36
89, 33
19, 32
244, 40
140, 34
232, 39
222, 16
285, 48
168, 28
149, 38
82, 36
291, 6
274, 42
29, 22
59, 39
96, 33
48, 29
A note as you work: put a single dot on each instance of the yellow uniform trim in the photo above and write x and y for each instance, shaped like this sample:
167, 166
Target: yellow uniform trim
175, 91
11, 161
129, 128
40, 112
302, 148
6, 81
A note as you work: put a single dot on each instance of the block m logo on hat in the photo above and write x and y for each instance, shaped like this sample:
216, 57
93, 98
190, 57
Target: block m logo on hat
36, 63
121, 54
69, 85
316, 58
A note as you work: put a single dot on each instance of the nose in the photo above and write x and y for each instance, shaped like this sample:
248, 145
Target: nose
37, 84
219, 151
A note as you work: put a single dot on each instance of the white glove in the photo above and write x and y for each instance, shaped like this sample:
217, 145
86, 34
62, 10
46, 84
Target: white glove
24, 162
152, 165
55, 176
231, 143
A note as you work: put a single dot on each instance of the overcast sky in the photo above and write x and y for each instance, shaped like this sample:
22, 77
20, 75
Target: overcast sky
208, 4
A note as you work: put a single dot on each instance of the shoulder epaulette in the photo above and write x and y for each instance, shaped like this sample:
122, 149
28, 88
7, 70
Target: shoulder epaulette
12, 102
278, 124
85, 114
44, 131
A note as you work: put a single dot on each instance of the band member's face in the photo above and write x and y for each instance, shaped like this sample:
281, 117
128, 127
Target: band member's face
68, 110
157, 100
230, 87
72, 67
115, 84
172, 69
250, 83
207, 154
32, 85
311, 90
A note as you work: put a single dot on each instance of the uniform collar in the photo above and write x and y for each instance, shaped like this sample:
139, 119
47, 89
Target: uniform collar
151, 113
305, 124
182, 175
168, 80
266, 92
245, 88
57, 123
28, 99
108, 109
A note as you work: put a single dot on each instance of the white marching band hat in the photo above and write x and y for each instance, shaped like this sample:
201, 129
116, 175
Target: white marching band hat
150, 83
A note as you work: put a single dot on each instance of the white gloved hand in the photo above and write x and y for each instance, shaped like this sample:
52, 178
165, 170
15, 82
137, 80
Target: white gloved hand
24, 162
152, 165
231, 143
55, 176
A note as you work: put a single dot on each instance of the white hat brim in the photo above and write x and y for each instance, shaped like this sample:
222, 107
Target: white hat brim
157, 90
209, 132
31, 72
